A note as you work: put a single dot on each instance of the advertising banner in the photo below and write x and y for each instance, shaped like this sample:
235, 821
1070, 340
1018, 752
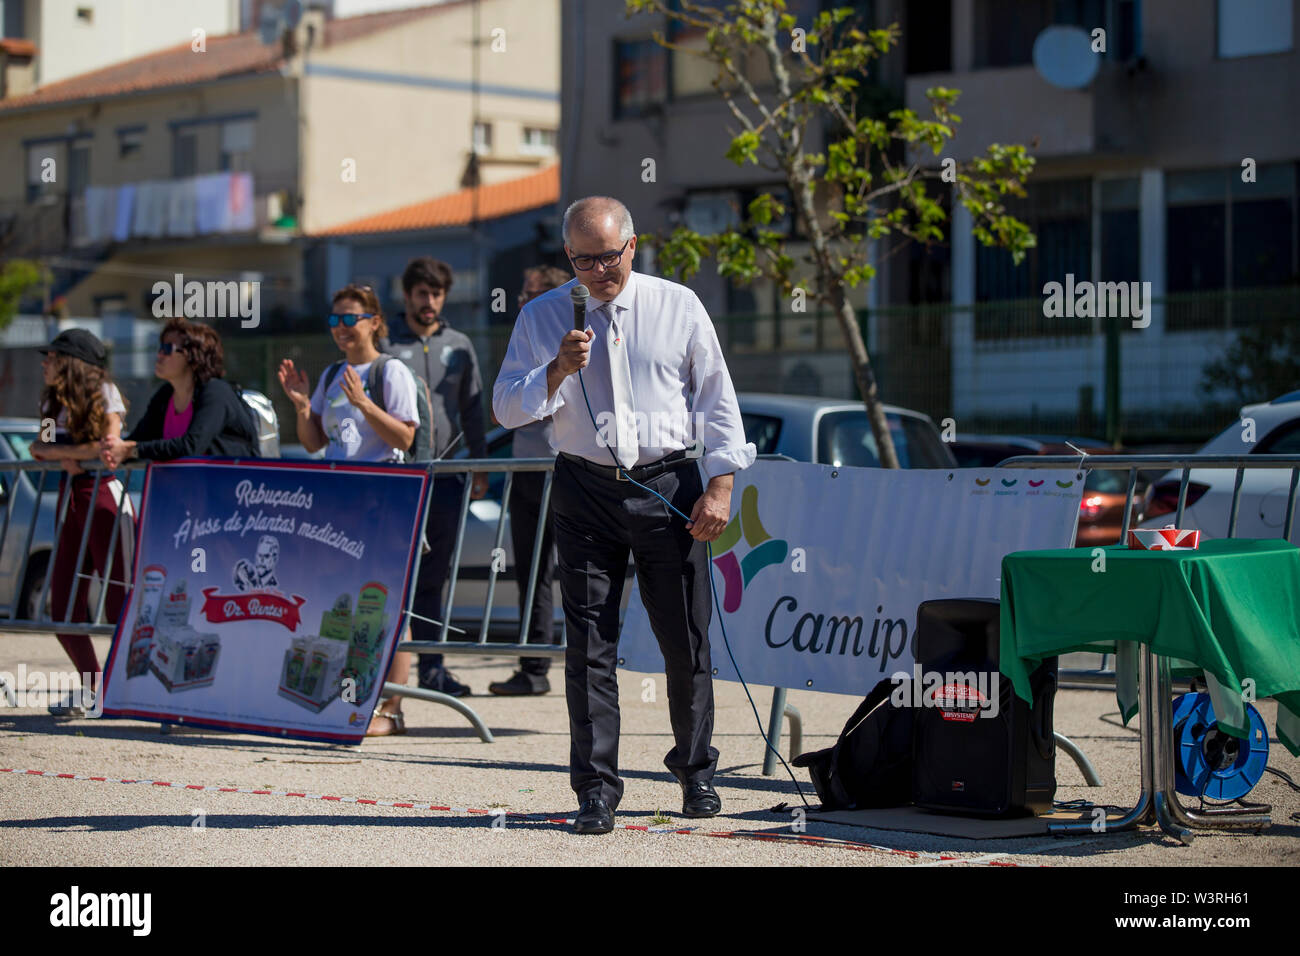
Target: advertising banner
820, 571
268, 596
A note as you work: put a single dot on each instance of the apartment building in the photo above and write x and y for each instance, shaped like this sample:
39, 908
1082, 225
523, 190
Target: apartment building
1139, 178
223, 162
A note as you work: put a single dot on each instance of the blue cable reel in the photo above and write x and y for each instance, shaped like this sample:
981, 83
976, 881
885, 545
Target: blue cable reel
1210, 762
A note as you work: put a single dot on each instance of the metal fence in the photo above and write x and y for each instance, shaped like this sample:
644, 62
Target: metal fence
1103, 674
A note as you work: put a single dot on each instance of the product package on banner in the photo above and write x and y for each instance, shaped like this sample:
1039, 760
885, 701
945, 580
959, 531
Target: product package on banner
268, 596
820, 571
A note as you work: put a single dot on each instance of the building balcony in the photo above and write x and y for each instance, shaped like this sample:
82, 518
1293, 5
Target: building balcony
181, 209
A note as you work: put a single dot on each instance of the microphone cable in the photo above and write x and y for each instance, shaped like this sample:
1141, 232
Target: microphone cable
716, 603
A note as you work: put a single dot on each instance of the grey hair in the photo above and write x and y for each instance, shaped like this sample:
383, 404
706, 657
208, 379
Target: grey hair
586, 213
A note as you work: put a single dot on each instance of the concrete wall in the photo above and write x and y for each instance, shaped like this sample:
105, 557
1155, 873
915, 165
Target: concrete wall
118, 30
275, 139
398, 103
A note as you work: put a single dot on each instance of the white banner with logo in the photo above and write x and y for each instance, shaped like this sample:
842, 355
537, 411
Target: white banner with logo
821, 569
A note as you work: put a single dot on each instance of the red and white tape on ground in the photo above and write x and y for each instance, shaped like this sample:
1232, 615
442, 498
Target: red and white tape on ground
766, 836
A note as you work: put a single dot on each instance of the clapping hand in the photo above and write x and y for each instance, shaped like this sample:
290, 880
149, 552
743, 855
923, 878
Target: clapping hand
296, 385
353, 389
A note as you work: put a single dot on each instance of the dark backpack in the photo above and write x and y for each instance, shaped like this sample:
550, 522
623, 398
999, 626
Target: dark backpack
422, 445
870, 766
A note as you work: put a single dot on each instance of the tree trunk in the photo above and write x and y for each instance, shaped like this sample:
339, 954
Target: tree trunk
866, 378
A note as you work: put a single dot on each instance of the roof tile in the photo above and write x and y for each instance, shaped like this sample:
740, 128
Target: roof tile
230, 55
457, 209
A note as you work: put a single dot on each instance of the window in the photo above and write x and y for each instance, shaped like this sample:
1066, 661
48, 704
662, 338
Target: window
1060, 214
1121, 240
42, 170
185, 152
762, 430
1222, 233
1254, 27
640, 77
710, 213
237, 146
538, 140
845, 438
482, 137
1006, 29
927, 41
130, 141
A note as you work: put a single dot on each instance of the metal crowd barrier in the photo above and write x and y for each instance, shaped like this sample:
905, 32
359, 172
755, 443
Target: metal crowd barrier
480, 644
32, 523
1103, 677
34, 513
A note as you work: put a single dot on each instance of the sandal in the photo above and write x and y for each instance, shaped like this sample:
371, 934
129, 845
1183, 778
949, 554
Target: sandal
399, 724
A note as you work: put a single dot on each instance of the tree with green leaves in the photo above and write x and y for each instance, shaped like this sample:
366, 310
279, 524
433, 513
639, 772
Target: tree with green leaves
17, 278
800, 101
1262, 363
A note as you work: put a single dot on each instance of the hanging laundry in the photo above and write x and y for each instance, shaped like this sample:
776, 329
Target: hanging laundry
241, 203
181, 207
151, 203
213, 203
123, 213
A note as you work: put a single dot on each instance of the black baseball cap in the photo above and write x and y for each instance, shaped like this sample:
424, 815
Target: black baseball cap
81, 344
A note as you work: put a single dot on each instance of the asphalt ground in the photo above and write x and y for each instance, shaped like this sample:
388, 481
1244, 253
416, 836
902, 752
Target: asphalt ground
504, 804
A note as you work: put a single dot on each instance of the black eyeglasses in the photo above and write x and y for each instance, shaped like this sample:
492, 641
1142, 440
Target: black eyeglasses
167, 348
349, 319
606, 259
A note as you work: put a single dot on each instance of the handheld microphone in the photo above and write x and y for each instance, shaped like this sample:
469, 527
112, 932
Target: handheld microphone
579, 295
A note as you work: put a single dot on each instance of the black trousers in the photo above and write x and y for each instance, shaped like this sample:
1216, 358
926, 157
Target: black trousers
598, 522
440, 532
525, 507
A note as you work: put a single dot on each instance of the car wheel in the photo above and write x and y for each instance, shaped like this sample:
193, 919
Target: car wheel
32, 585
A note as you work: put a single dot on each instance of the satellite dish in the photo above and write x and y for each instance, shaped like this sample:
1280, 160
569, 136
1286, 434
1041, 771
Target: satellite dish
1063, 57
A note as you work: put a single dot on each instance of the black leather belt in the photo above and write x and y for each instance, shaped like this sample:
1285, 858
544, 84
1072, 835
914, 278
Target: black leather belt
640, 473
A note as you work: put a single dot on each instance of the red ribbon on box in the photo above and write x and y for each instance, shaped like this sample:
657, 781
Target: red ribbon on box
1164, 539
255, 606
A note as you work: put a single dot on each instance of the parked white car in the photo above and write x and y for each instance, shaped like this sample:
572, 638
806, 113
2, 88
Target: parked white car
1275, 429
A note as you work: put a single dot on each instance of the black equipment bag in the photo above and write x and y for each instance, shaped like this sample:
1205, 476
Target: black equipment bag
870, 766
966, 758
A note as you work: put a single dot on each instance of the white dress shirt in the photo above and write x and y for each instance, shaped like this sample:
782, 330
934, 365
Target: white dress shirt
680, 382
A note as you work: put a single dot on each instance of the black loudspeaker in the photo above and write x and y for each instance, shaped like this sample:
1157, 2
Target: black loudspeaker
967, 757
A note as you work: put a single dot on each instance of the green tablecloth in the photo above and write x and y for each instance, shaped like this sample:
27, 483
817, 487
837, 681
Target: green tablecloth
1230, 608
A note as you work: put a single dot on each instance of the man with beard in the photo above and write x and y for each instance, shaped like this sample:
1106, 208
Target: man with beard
445, 360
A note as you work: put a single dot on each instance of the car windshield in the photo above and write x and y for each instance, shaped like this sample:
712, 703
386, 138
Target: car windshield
762, 430
1107, 482
21, 443
844, 438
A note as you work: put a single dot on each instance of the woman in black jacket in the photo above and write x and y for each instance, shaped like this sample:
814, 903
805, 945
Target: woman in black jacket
196, 412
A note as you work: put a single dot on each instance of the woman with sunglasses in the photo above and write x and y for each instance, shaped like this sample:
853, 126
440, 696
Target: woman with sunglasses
85, 407
195, 412
341, 417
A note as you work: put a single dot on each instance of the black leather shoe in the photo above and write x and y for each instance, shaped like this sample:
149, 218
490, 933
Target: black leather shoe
594, 816
521, 685
700, 800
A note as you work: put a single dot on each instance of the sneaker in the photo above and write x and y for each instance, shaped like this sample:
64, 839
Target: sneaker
69, 706
522, 684
444, 682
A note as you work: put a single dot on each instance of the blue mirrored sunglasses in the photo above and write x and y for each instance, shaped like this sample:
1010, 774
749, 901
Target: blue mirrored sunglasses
349, 319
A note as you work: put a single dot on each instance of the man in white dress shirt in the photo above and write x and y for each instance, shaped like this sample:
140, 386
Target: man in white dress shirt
659, 387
